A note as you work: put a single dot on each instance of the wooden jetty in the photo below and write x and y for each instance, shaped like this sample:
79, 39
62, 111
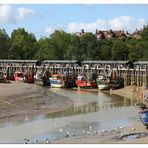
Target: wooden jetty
136, 72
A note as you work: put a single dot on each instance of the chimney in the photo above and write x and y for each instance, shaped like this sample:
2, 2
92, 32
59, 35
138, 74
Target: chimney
82, 31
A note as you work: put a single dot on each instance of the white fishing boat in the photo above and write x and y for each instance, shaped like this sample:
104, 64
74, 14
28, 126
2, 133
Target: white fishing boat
56, 80
40, 78
103, 82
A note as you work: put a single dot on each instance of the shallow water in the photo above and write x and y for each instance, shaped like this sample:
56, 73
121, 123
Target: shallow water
91, 111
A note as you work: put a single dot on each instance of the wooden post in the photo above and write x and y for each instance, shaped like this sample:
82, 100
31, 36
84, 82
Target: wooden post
146, 77
139, 76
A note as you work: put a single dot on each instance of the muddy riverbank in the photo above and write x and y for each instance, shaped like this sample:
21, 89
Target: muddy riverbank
18, 100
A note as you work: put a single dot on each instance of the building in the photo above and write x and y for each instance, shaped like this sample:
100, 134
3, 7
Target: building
112, 34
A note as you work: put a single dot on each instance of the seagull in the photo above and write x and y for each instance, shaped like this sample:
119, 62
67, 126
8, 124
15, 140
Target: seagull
99, 132
72, 134
120, 137
67, 134
119, 127
90, 127
47, 140
26, 118
61, 130
54, 138
36, 141
133, 129
118, 131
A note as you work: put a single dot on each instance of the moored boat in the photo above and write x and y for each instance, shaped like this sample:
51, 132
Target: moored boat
2, 78
18, 76
29, 77
42, 78
116, 84
9, 73
144, 116
82, 82
103, 82
56, 80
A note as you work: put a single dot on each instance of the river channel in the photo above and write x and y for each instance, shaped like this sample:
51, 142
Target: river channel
90, 111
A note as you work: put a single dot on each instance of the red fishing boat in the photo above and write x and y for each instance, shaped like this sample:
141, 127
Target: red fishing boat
18, 76
82, 82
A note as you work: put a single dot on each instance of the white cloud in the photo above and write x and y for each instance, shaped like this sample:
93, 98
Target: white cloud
6, 14
10, 15
123, 22
126, 23
48, 30
51, 29
23, 13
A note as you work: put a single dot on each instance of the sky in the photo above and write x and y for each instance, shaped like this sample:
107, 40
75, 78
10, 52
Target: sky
43, 19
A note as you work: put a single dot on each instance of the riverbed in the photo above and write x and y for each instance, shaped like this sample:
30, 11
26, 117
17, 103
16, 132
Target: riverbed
91, 112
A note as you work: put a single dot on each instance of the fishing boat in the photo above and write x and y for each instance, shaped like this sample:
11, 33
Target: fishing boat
116, 84
82, 82
28, 77
18, 76
143, 112
9, 73
42, 78
2, 78
64, 79
56, 80
103, 82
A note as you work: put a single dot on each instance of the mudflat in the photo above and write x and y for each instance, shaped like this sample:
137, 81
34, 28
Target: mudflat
20, 99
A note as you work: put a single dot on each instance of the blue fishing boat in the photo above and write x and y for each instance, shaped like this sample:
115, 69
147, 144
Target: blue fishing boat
144, 117
143, 112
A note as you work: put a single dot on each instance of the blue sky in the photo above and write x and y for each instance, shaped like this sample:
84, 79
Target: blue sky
43, 19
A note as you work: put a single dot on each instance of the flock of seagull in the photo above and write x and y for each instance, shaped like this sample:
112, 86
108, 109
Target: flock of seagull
90, 132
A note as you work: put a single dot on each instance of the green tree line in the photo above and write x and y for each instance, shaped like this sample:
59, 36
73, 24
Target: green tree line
65, 46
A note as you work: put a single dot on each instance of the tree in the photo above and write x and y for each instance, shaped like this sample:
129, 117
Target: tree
44, 52
73, 52
23, 44
144, 33
119, 50
106, 52
5, 45
59, 43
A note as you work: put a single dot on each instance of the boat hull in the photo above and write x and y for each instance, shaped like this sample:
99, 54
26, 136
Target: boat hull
56, 83
42, 82
144, 117
103, 87
85, 85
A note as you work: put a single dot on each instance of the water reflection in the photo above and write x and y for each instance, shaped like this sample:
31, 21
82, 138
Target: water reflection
104, 101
